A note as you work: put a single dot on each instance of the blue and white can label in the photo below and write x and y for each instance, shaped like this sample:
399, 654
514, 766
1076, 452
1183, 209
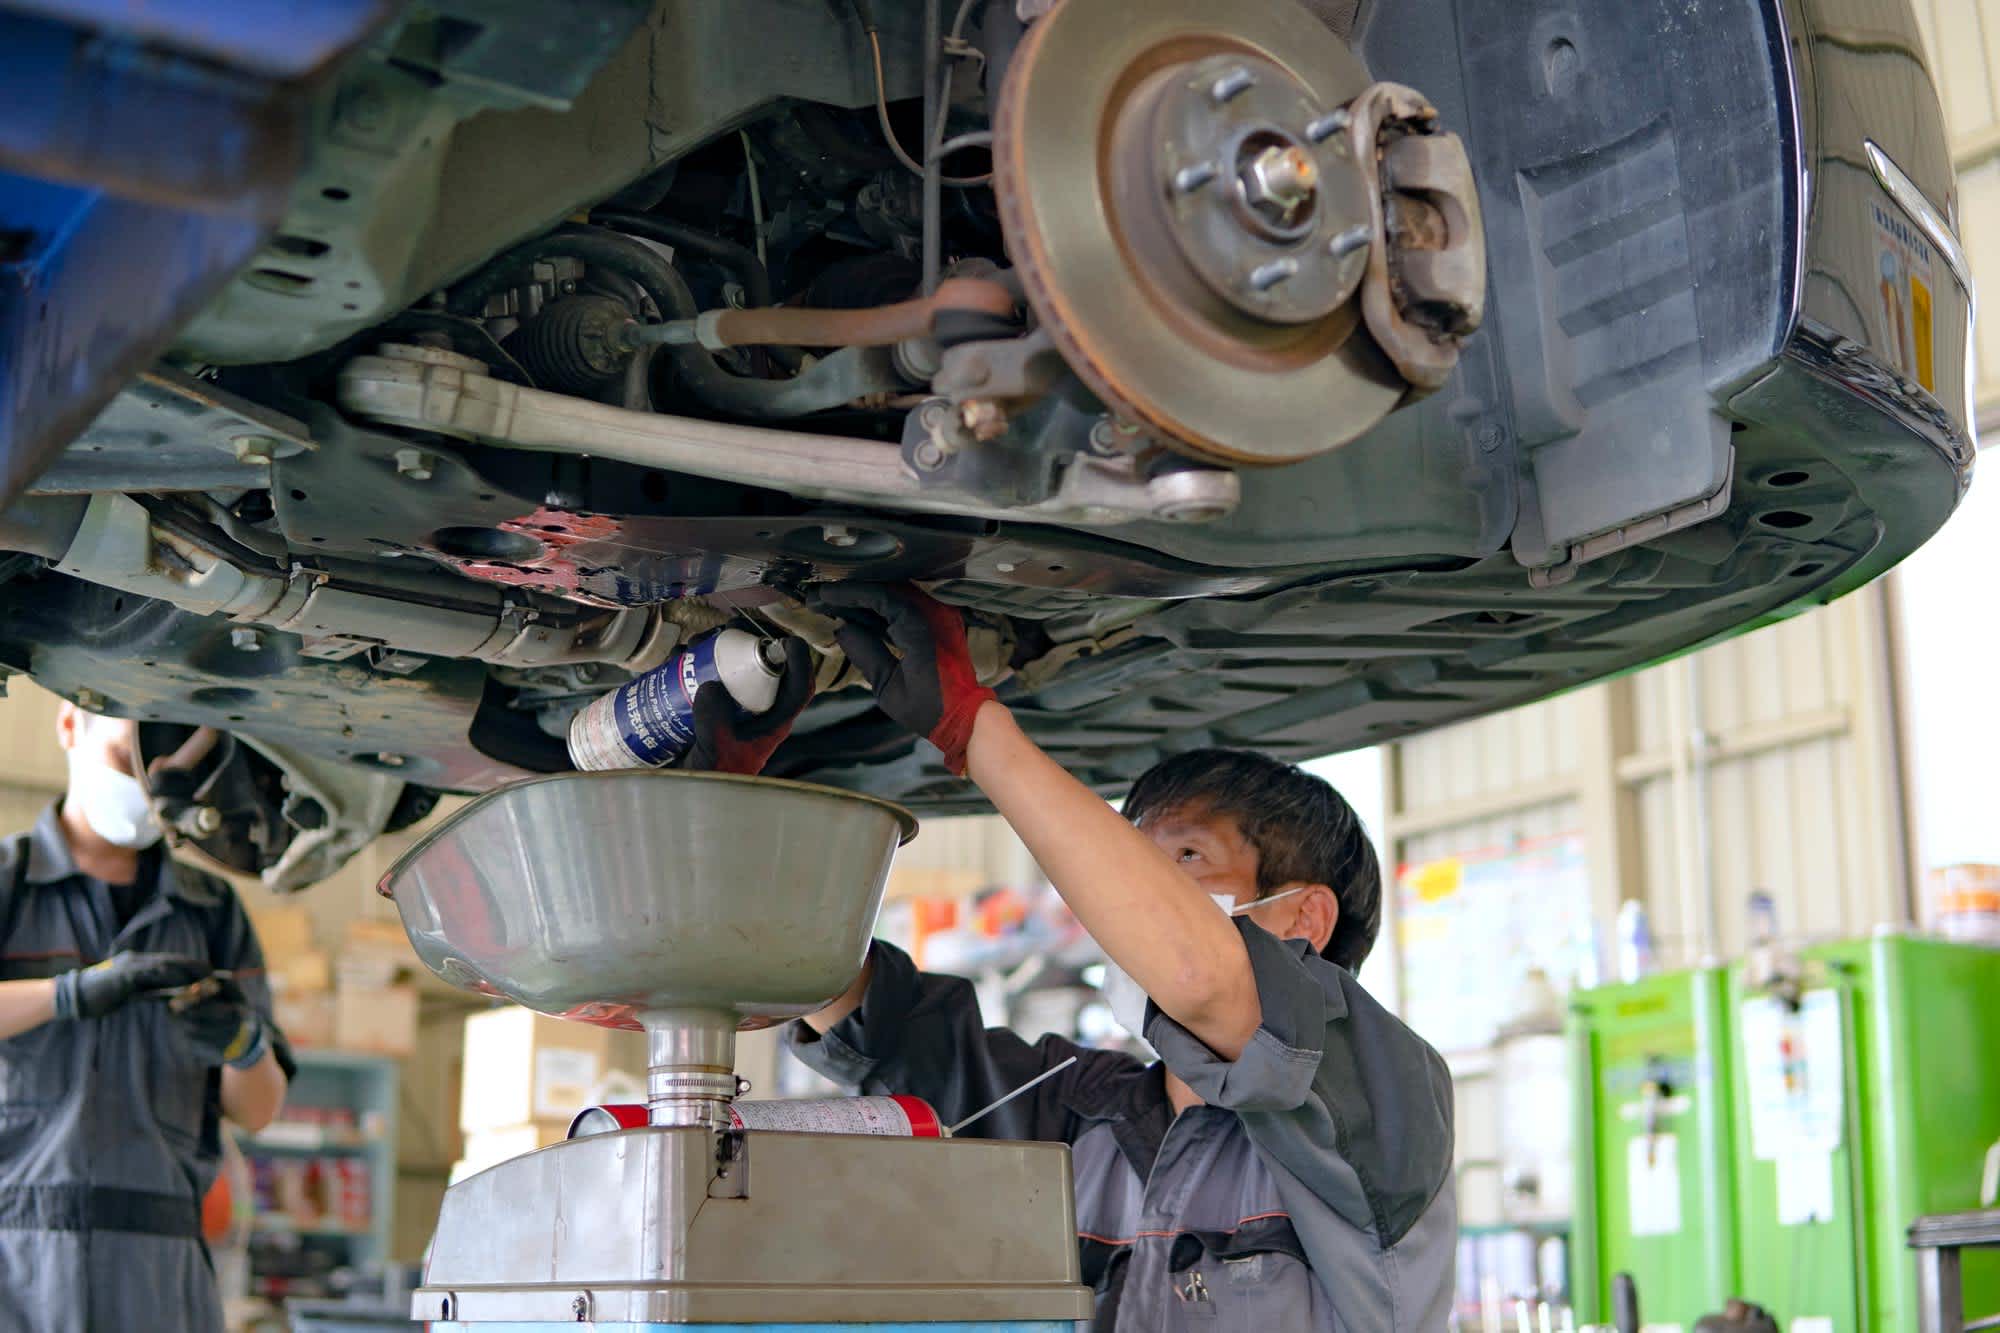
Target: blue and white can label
648, 722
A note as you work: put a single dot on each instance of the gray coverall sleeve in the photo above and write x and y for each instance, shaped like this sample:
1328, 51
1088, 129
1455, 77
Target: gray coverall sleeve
920, 1034
233, 947
1332, 1087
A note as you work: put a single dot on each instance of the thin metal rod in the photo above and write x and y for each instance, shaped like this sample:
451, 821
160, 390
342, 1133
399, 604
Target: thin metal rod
985, 1111
934, 112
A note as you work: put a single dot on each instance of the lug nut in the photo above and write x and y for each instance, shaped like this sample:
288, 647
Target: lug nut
1232, 85
1266, 276
1332, 123
246, 640
1189, 179
1283, 177
1347, 242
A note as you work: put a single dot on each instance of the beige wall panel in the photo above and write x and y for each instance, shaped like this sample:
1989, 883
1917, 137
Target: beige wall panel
19, 808
1660, 852
1961, 60
1979, 227
1523, 747
980, 843
1651, 711
1486, 835
1792, 821
29, 756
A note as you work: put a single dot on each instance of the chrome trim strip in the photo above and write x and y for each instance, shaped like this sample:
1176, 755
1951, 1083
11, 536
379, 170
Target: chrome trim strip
1925, 214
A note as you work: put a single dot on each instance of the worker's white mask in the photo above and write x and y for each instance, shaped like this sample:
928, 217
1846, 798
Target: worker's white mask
112, 803
1125, 996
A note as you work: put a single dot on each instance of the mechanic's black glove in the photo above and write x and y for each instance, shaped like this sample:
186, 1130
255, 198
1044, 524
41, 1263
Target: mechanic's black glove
912, 649
224, 1027
730, 739
94, 991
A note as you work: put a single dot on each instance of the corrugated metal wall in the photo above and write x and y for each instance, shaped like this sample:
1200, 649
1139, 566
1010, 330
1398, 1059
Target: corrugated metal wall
1781, 741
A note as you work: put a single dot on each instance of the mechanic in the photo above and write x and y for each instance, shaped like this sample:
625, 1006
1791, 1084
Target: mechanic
115, 1067
1287, 1164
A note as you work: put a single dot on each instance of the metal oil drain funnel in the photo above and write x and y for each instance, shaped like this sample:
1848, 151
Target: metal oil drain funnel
691, 905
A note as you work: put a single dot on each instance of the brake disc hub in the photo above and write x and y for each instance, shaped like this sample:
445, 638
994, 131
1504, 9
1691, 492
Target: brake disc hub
1197, 219
1272, 219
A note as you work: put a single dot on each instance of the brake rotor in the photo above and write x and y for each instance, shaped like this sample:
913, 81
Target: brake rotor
1182, 203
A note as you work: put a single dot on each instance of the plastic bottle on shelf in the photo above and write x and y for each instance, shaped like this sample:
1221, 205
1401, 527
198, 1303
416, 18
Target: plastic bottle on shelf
1635, 942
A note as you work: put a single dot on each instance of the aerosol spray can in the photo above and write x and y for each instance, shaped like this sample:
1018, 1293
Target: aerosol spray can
648, 722
890, 1117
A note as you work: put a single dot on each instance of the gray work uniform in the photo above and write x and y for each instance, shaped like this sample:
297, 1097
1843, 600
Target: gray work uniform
1314, 1189
110, 1128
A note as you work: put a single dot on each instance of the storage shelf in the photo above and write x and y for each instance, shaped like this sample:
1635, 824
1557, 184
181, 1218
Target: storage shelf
310, 1139
276, 1224
364, 1088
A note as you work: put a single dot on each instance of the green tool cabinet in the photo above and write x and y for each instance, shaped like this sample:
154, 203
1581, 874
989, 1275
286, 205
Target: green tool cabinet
1653, 1195
1809, 1126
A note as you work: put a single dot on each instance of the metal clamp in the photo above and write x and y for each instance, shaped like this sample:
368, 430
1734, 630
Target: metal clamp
732, 1166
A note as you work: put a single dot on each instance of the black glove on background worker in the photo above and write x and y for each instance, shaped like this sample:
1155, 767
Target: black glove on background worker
101, 988
223, 1027
730, 739
912, 649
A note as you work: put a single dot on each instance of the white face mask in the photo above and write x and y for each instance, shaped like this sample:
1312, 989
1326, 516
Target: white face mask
113, 804
1127, 1000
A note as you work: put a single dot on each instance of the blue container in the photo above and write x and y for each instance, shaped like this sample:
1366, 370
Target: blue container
648, 722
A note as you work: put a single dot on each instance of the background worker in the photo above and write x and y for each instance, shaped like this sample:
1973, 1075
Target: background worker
1287, 1164
111, 1097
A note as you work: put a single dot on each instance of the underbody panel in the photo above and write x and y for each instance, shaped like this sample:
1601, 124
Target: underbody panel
1714, 373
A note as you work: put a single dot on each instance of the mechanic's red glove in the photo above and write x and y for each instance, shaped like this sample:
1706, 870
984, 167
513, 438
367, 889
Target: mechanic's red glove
730, 739
912, 649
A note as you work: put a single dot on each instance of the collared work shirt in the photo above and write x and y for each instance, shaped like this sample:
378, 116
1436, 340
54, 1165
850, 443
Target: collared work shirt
1312, 1191
110, 1128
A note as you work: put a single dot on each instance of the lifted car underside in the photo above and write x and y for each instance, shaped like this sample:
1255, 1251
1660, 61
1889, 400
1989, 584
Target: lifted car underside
1288, 375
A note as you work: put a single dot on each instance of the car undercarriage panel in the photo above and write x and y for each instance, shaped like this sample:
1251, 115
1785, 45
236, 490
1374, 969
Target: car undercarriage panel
1300, 378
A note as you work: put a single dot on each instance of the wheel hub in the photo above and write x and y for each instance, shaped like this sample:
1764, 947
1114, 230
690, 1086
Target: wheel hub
1182, 202
1257, 207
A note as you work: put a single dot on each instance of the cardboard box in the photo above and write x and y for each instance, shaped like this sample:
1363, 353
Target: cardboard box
521, 1067
375, 953
489, 1147
366, 972
307, 970
365, 935
284, 929
381, 1020
305, 1017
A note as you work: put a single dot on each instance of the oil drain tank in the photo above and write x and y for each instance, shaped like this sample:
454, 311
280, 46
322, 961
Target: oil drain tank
692, 906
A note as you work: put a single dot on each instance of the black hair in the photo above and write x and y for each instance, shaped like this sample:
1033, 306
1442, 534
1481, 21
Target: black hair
1304, 831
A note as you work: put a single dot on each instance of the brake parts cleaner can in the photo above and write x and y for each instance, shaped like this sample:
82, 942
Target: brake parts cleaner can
890, 1117
648, 722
